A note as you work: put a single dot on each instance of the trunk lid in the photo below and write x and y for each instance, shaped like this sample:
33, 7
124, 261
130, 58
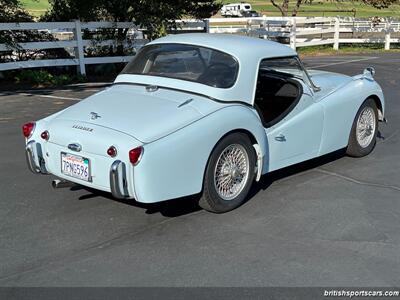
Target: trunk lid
134, 111
93, 139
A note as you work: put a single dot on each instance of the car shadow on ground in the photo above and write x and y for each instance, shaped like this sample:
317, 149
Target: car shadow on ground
171, 208
187, 205
268, 179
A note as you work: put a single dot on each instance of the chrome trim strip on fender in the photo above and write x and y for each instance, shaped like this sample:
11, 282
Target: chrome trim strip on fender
30, 157
118, 179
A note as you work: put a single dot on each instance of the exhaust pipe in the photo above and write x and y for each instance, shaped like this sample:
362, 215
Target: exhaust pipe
59, 183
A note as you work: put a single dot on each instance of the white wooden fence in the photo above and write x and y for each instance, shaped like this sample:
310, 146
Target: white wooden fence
297, 32
72, 39
303, 32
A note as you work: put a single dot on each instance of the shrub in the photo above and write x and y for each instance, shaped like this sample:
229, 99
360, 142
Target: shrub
42, 77
34, 77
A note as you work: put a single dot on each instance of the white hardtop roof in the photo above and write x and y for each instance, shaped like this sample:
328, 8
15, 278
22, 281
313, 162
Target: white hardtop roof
248, 52
242, 47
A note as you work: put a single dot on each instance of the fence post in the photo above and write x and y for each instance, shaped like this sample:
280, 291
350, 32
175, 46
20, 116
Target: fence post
336, 36
207, 25
293, 34
79, 47
264, 25
387, 35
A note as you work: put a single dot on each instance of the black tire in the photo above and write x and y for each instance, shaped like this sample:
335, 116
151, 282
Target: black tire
354, 148
211, 199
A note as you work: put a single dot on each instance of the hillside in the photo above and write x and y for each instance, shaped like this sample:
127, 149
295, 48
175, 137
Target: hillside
326, 8
318, 8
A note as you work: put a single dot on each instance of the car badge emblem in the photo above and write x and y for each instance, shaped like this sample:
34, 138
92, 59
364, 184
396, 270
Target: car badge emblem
94, 115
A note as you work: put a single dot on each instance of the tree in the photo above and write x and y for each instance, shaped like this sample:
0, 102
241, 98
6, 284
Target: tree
284, 5
380, 4
12, 11
156, 15
67, 10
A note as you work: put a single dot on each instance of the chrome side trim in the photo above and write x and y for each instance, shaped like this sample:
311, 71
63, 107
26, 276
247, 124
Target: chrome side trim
30, 157
118, 183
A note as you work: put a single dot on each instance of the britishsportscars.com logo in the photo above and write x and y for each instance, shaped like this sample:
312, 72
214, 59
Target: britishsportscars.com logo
361, 293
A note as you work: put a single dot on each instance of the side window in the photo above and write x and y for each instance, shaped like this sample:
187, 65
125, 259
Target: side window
276, 92
288, 65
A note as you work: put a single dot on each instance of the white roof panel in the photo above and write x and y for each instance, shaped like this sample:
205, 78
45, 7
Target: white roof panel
248, 51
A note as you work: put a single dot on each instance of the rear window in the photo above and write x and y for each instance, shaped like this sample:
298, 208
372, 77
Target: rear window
185, 62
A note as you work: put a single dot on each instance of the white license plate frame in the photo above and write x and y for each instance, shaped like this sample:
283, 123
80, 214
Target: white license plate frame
79, 176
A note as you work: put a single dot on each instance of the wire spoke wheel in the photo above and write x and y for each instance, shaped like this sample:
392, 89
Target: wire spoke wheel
366, 126
231, 171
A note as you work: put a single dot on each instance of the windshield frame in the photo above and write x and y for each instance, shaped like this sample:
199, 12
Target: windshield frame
313, 86
233, 57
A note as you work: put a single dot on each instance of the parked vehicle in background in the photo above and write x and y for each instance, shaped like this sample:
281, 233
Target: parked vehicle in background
250, 14
235, 9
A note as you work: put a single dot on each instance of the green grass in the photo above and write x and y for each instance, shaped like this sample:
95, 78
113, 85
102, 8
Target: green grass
36, 7
345, 49
325, 8
318, 8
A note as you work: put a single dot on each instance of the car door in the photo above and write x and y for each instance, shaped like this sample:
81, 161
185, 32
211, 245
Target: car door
297, 137
292, 119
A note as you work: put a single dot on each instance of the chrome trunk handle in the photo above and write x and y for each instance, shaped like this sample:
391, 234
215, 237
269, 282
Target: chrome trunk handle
75, 147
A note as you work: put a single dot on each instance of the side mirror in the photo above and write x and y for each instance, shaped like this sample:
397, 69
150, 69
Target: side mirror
369, 72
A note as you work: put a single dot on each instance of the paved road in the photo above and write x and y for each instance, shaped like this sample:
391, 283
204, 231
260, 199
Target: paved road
331, 222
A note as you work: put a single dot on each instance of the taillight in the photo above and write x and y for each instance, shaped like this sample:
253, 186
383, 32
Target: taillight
27, 129
112, 151
45, 135
135, 155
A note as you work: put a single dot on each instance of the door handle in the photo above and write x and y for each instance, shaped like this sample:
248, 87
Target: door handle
280, 138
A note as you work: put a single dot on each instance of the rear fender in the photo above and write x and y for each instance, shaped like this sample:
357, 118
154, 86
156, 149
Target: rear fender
174, 166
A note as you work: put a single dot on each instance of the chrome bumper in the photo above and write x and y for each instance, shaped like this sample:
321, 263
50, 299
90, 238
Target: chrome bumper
118, 182
34, 158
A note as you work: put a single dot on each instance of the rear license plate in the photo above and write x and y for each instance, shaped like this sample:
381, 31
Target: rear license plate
75, 166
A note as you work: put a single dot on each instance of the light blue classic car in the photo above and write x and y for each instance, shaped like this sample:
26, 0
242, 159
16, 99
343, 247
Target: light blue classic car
205, 113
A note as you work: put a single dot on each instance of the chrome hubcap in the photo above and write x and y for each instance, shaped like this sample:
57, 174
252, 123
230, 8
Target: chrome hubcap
231, 172
366, 126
